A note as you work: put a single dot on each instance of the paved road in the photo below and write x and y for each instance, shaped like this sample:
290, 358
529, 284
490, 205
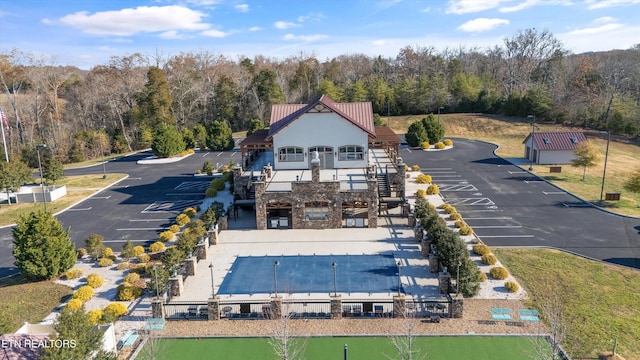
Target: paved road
137, 208
507, 206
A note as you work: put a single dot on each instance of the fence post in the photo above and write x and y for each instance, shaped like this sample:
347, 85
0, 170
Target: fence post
157, 308
190, 266
399, 305
336, 307
444, 282
213, 308
457, 306
176, 285
276, 307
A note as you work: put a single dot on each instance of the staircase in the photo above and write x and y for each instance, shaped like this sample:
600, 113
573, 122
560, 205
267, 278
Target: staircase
384, 189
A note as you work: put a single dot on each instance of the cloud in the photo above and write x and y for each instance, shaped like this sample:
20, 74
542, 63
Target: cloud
482, 24
600, 4
305, 37
313, 16
204, 2
255, 28
282, 25
171, 34
215, 33
471, 6
242, 7
595, 30
605, 19
127, 22
531, 3
426, 10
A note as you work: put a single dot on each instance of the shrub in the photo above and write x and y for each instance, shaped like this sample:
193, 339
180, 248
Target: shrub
466, 230
182, 219
73, 274
94, 316
415, 167
433, 189
460, 224
82, 252
512, 286
489, 259
94, 280
74, 304
156, 246
174, 228
448, 142
211, 192
123, 266
425, 144
106, 252
143, 258
421, 193
105, 262
482, 277
217, 184
439, 146
84, 293
166, 236
132, 278
450, 210
444, 206
128, 292
138, 250
113, 311
499, 273
190, 212
423, 179
198, 172
481, 249
207, 168
455, 216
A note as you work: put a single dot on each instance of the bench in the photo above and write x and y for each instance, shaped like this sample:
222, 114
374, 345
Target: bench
129, 338
501, 314
154, 324
529, 315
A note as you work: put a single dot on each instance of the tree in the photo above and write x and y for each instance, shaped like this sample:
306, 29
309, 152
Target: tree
167, 141
172, 257
586, 155
200, 136
42, 248
94, 245
127, 250
52, 170
188, 138
633, 182
76, 326
254, 124
416, 134
14, 174
154, 101
219, 136
433, 128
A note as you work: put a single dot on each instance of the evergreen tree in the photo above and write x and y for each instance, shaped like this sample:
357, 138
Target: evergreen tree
52, 170
154, 101
327, 87
219, 136
188, 138
14, 174
74, 325
42, 248
416, 134
94, 245
127, 250
433, 128
254, 124
167, 141
200, 136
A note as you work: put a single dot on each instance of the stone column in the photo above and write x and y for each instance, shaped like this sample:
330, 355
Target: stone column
223, 221
157, 308
418, 233
425, 248
434, 265
372, 192
315, 170
276, 307
336, 307
190, 265
457, 305
201, 251
399, 306
261, 207
213, 308
412, 219
176, 285
402, 173
444, 282
213, 236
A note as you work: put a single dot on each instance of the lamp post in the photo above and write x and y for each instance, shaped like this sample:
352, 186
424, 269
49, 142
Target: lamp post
458, 278
533, 131
104, 169
44, 196
399, 281
155, 271
275, 277
346, 352
439, 108
335, 287
213, 288
604, 172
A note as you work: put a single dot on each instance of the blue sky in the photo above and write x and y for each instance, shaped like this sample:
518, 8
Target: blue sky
88, 32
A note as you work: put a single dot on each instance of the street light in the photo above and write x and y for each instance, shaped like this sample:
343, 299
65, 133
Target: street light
335, 288
155, 271
104, 169
275, 277
399, 281
213, 288
439, 108
44, 196
458, 278
606, 156
533, 131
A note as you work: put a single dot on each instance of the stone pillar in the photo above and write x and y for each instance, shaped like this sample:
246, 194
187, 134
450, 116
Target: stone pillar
457, 305
425, 248
402, 173
213, 308
399, 306
213, 236
412, 219
157, 308
372, 211
418, 233
190, 265
201, 251
434, 265
223, 222
315, 170
444, 282
276, 307
176, 285
336, 307
261, 207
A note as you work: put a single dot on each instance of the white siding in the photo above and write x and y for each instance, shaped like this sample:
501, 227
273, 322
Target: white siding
556, 157
324, 129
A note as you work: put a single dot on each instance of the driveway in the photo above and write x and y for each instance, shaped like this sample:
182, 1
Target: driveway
508, 206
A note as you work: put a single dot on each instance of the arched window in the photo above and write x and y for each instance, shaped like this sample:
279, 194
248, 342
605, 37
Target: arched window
290, 154
350, 152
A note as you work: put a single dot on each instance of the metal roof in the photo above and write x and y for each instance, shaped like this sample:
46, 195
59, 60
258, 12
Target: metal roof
566, 140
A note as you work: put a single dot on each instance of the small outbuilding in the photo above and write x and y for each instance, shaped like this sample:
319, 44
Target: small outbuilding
552, 147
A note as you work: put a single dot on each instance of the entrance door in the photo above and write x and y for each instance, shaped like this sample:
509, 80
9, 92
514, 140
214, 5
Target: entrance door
325, 154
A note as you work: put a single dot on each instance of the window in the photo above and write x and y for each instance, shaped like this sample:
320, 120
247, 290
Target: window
290, 154
574, 140
316, 211
546, 140
351, 152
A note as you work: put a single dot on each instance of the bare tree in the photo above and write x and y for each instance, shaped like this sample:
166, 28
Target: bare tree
404, 338
285, 344
548, 346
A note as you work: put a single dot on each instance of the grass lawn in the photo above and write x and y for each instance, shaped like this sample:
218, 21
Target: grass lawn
28, 301
78, 187
599, 301
359, 348
509, 133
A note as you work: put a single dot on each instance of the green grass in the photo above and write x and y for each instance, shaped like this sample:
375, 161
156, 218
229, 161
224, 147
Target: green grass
600, 301
28, 301
359, 348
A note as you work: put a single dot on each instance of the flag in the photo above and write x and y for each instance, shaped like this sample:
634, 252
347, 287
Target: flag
5, 122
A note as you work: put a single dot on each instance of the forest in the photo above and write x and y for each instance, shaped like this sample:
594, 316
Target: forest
118, 106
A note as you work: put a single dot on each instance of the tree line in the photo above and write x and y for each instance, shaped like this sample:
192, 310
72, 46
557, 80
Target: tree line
121, 105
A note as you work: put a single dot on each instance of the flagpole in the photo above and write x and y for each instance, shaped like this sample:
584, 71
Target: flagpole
4, 121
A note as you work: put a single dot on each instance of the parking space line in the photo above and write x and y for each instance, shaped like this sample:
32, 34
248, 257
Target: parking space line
142, 220
498, 227
517, 172
553, 192
139, 229
205, 154
491, 218
506, 236
471, 201
459, 187
83, 209
408, 150
234, 153
101, 197
220, 153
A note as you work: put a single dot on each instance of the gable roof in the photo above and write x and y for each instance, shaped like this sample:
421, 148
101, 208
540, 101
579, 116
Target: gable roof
359, 114
566, 140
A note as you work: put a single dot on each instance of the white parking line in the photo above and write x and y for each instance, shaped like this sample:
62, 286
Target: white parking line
553, 192
131, 178
408, 150
233, 153
83, 209
498, 227
490, 218
205, 154
101, 197
141, 220
220, 153
517, 172
140, 229
506, 236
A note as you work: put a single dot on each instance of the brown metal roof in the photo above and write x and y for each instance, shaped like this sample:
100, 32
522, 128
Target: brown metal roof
385, 135
257, 138
360, 114
567, 140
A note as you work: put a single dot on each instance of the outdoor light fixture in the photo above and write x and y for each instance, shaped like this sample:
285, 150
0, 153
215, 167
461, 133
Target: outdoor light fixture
335, 287
213, 288
533, 131
104, 169
44, 196
606, 157
275, 277
399, 281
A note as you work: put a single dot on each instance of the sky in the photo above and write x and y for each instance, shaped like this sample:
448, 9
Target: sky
86, 33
